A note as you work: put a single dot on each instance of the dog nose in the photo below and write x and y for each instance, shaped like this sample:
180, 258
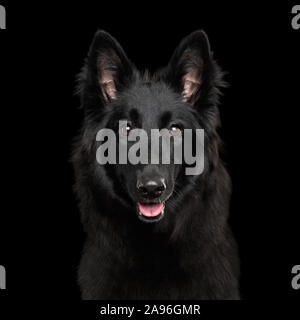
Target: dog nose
152, 188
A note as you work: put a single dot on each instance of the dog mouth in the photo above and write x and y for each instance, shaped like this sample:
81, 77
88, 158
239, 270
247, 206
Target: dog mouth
151, 212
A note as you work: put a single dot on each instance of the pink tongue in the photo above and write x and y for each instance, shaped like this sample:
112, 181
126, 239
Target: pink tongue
150, 210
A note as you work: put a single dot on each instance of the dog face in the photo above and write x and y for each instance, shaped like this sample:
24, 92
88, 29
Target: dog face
181, 96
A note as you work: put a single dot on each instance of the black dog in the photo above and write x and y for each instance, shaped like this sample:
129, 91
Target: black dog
188, 251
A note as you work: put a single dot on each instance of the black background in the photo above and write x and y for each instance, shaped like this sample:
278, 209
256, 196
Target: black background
41, 52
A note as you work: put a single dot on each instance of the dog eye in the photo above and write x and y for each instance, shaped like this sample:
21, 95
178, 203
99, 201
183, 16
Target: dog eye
175, 130
126, 129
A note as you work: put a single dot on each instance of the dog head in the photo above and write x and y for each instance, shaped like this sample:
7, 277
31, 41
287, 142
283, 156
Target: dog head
129, 104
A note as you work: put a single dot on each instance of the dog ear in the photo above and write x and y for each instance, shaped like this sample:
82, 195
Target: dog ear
108, 66
189, 65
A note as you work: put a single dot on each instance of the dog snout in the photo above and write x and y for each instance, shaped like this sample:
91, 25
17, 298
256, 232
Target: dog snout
151, 188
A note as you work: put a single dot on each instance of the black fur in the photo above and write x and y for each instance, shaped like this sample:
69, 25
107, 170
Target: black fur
190, 253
